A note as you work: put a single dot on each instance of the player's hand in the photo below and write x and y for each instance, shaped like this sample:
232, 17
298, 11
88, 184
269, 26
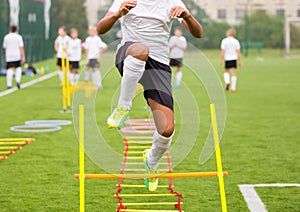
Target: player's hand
126, 6
179, 12
221, 63
23, 60
87, 61
240, 64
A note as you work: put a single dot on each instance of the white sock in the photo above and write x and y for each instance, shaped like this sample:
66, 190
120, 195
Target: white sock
159, 147
178, 77
97, 78
60, 75
18, 75
233, 82
133, 71
71, 78
86, 75
9, 77
227, 78
76, 78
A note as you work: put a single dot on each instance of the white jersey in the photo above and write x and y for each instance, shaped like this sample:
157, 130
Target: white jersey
74, 50
177, 46
62, 43
231, 46
12, 43
149, 23
93, 45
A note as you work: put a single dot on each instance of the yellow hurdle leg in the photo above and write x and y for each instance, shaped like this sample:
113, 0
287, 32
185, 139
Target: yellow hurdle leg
81, 156
218, 157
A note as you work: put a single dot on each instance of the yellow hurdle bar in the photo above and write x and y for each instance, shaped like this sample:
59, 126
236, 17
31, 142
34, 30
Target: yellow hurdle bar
13, 142
81, 157
141, 176
218, 157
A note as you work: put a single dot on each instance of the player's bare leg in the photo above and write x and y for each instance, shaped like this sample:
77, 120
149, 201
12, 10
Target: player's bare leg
162, 139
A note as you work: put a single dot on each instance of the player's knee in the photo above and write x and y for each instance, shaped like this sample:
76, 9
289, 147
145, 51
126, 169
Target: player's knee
169, 130
139, 51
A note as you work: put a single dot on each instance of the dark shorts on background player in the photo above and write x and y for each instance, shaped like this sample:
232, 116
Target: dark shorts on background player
156, 78
74, 65
93, 63
14, 64
58, 62
176, 62
230, 64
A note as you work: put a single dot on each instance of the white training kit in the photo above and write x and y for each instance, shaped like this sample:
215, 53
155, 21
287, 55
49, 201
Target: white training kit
230, 45
12, 43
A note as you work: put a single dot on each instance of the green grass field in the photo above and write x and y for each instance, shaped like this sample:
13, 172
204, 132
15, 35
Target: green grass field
260, 144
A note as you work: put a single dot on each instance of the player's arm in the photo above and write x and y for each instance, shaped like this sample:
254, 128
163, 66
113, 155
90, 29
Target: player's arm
240, 63
110, 18
222, 56
23, 60
56, 46
189, 22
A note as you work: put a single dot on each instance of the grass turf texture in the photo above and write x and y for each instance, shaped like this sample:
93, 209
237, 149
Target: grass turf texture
260, 143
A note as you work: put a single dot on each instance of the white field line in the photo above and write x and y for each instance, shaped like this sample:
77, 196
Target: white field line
252, 199
30, 83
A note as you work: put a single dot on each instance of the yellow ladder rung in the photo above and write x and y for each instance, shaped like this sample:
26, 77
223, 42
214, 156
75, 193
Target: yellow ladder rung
141, 186
8, 147
133, 152
146, 195
138, 158
143, 170
141, 163
14, 139
137, 210
139, 147
5, 152
140, 142
14, 142
149, 203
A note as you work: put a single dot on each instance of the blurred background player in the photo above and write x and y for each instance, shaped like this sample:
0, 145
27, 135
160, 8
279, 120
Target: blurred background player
94, 47
230, 52
177, 46
14, 53
61, 46
75, 52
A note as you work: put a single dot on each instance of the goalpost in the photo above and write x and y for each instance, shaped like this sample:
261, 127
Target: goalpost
288, 23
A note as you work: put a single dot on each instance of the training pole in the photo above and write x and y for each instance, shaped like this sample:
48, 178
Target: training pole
81, 156
64, 92
68, 83
218, 157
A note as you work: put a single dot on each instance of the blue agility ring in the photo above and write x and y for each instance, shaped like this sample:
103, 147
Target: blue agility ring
35, 128
49, 122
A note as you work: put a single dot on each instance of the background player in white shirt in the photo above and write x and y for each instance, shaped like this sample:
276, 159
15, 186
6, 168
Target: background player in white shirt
143, 56
177, 46
61, 46
14, 55
75, 52
94, 47
230, 52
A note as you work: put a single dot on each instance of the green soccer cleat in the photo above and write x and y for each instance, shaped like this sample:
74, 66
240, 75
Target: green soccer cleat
117, 118
151, 183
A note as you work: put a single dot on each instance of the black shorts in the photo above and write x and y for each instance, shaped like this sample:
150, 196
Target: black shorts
14, 64
74, 65
177, 62
156, 79
230, 64
93, 63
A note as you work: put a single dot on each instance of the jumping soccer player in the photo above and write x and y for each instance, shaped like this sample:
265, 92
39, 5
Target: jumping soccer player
61, 46
230, 52
74, 50
177, 45
142, 57
14, 51
94, 47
